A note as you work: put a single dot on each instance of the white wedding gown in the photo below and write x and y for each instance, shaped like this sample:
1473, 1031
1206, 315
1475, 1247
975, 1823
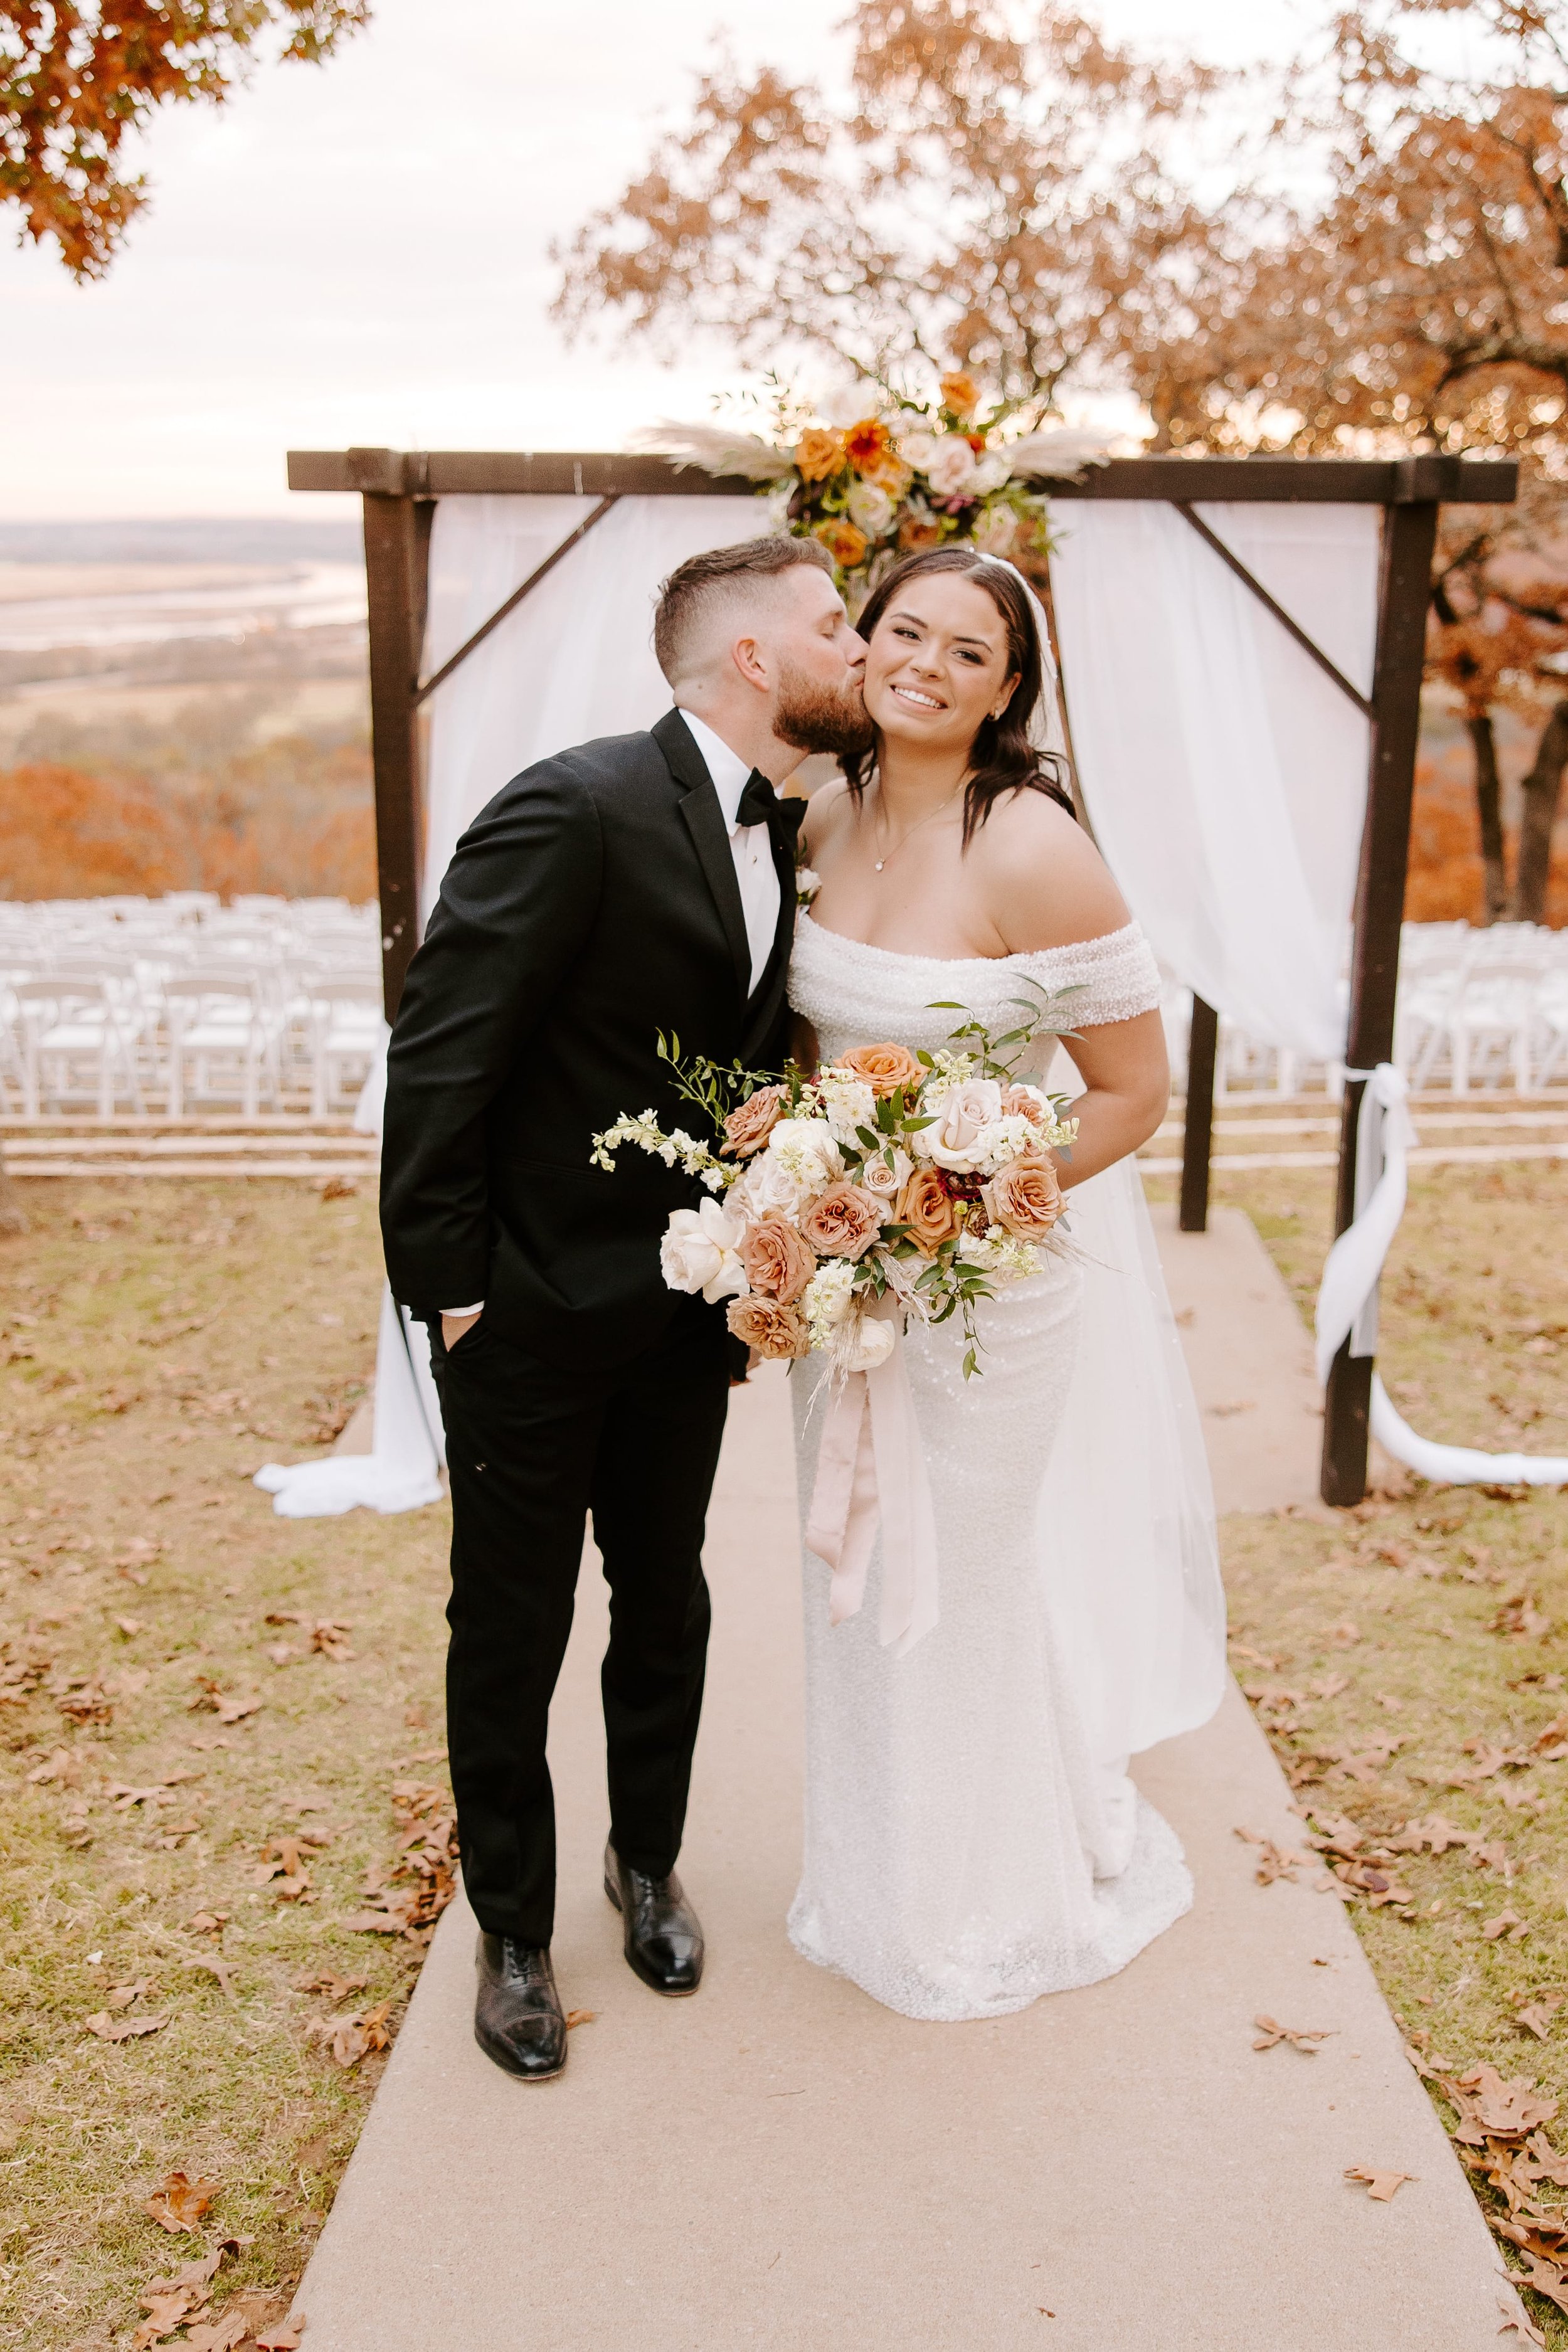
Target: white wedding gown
971, 1839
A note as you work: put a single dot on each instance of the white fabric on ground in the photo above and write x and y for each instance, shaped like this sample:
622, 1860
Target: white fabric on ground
1347, 1299
1224, 774
973, 1840
408, 1443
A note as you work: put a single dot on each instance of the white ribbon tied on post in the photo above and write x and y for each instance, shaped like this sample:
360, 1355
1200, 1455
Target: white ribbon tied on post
1347, 1297
871, 1471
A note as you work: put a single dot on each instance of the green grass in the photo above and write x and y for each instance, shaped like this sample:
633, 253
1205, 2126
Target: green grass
162, 1341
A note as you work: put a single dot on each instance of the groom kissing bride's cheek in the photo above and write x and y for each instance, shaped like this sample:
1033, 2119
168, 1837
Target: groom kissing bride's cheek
639, 885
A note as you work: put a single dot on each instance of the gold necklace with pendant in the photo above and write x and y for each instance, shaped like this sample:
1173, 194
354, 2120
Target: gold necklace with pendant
914, 828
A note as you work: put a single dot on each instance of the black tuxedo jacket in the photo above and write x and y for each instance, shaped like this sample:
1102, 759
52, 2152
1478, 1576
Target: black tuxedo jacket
591, 905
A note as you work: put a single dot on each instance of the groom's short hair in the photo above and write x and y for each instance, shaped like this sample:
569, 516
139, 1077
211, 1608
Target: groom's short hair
697, 589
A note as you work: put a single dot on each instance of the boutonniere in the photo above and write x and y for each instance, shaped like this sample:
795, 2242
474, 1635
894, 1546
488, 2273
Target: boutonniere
806, 886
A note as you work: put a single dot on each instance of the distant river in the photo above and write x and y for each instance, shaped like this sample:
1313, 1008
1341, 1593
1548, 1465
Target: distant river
131, 604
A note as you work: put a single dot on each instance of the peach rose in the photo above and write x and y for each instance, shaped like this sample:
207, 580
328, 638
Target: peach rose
845, 544
959, 393
884, 1068
1025, 1196
772, 1327
1024, 1102
818, 454
843, 1222
917, 531
778, 1264
749, 1126
928, 1211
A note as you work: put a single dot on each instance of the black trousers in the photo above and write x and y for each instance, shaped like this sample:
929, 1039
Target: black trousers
531, 1451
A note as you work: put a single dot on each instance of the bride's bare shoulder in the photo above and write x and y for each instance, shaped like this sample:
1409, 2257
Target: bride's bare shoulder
1045, 884
826, 812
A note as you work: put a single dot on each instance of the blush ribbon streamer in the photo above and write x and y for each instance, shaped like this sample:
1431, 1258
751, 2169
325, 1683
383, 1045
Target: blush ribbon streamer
871, 1471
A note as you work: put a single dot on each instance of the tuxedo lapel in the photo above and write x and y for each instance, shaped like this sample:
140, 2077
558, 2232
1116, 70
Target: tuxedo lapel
709, 835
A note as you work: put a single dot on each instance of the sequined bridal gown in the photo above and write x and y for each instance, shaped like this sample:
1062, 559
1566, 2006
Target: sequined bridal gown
971, 1839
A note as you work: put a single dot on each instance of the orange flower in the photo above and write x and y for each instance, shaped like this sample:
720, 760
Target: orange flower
929, 1210
960, 393
867, 443
818, 454
885, 1069
845, 544
890, 474
917, 533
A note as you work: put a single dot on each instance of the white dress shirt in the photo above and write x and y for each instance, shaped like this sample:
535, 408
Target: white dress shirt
750, 845
751, 848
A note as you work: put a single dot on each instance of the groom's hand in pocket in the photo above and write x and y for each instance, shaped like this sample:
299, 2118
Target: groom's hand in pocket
454, 1325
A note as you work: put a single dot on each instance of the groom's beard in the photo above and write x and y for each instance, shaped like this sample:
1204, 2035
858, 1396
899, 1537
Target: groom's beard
814, 718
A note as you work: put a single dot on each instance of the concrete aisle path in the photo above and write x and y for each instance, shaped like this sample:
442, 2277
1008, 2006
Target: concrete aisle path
780, 2163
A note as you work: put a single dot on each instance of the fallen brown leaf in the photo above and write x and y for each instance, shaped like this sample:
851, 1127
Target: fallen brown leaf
1507, 1923
1544, 2278
350, 2039
1270, 2033
580, 2016
123, 2029
181, 2203
282, 2339
220, 2334
1380, 2185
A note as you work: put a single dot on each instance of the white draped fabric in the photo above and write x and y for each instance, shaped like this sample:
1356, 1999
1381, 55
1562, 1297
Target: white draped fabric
1224, 775
574, 660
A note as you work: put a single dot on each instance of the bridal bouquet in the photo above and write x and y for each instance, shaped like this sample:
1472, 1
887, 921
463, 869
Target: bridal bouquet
894, 1186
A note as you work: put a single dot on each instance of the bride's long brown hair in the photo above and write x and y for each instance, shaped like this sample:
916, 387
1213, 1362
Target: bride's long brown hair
1004, 759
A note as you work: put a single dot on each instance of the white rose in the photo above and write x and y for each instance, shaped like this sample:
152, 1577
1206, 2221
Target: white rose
885, 1183
863, 1344
806, 1149
870, 509
962, 1114
849, 1103
807, 885
698, 1252
990, 472
950, 468
766, 1190
918, 449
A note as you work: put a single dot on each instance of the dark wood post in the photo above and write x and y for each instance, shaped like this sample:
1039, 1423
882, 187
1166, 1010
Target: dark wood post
1410, 530
1198, 1127
396, 562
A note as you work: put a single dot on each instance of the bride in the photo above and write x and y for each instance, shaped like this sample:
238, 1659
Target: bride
972, 1838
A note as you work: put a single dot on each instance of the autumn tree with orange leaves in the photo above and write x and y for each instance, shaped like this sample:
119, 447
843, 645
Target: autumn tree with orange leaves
75, 82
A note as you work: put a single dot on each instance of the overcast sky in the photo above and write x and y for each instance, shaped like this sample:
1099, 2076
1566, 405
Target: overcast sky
359, 253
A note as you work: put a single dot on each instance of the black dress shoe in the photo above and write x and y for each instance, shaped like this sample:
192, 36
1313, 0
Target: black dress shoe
517, 2016
662, 1938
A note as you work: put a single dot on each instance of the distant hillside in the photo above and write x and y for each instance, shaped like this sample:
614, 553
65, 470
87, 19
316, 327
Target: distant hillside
198, 540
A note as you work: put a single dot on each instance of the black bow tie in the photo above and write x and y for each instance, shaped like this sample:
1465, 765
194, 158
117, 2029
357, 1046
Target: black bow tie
761, 805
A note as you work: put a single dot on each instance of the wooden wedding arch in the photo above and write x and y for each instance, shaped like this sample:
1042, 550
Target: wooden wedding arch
400, 489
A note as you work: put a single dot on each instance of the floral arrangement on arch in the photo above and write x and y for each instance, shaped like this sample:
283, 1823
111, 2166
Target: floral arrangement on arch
892, 1187
907, 475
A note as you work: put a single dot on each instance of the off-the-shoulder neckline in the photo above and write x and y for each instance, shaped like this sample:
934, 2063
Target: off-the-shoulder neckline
1127, 932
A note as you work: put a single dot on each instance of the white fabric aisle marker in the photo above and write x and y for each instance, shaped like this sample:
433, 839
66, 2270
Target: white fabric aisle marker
399, 1472
1347, 1298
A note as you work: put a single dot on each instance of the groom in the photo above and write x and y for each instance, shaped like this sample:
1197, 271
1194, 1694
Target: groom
636, 884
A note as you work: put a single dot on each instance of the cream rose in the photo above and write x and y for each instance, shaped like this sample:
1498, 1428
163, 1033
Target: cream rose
843, 1222
870, 509
750, 1124
772, 1327
1026, 1197
700, 1251
950, 468
926, 1207
886, 1069
962, 1113
885, 1183
778, 1262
